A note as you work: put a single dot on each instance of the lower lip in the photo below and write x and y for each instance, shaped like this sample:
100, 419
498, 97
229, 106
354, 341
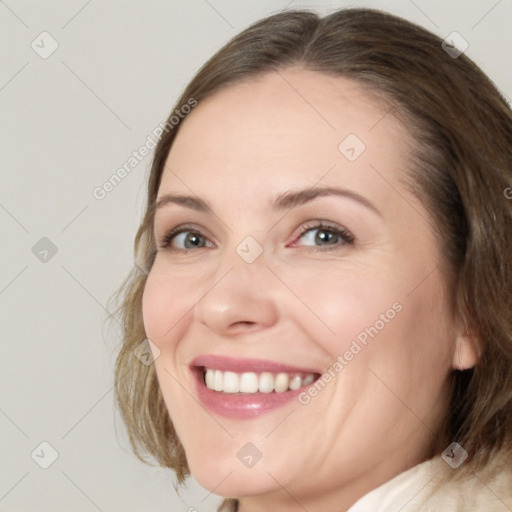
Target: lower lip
240, 405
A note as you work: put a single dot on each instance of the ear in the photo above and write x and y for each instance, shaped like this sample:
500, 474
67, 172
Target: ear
468, 348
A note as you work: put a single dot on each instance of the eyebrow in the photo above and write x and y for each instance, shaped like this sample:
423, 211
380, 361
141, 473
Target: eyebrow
285, 201
293, 199
194, 203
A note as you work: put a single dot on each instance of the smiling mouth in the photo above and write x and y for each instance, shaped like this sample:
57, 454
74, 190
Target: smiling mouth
255, 382
247, 388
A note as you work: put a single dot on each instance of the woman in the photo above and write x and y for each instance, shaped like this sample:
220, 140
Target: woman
324, 273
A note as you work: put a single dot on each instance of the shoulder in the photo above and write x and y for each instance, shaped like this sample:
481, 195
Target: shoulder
429, 487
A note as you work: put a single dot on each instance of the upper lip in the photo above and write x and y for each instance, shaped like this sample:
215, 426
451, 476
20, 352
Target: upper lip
225, 363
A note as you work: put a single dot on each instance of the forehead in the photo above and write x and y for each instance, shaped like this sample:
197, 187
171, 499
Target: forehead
290, 128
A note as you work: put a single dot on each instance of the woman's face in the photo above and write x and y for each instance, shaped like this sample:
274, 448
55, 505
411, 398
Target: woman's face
302, 255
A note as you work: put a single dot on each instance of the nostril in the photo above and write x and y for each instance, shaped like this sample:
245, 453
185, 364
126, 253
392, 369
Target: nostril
243, 324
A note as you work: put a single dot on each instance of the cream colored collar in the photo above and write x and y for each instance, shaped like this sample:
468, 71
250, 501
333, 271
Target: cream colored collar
425, 488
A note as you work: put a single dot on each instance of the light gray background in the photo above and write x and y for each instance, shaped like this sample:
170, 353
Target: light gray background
67, 123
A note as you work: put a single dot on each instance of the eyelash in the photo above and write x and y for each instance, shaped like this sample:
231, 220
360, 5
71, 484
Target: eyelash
168, 238
346, 237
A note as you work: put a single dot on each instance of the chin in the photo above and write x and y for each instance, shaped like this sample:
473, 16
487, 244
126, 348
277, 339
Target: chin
221, 476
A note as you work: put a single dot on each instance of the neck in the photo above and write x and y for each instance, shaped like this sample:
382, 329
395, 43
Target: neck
325, 498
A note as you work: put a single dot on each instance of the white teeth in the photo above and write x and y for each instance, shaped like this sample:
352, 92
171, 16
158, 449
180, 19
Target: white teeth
231, 383
210, 379
266, 384
218, 380
250, 382
282, 381
295, 383
308, 380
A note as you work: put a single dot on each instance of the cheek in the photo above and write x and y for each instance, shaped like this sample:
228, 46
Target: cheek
338, 307
164, 307
406, 353
373, 317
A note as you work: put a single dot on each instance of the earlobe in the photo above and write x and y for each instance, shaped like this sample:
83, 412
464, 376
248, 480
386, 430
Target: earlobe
467, 349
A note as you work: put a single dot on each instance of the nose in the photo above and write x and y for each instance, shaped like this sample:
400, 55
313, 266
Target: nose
240, 298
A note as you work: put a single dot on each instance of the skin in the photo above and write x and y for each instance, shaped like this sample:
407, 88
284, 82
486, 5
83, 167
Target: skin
302, 303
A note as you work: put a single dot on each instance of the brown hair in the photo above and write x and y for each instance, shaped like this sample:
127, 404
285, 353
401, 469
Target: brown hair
460, 168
